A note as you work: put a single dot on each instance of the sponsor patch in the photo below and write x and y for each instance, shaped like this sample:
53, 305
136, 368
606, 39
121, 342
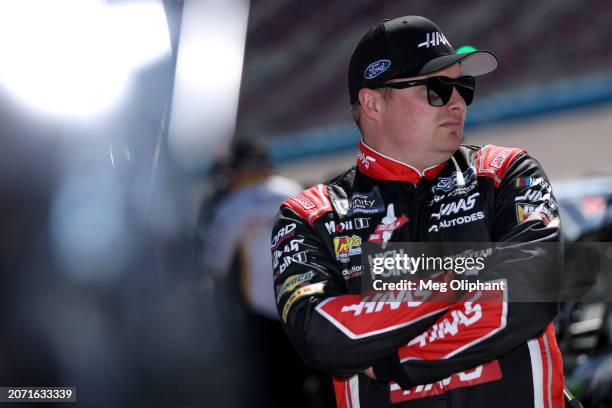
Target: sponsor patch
360, 316
388, 224
376, 68
500, 158
433, 39
529, 212
470, 313
300, 257
537, 191
282, 234
293, 282
304, 201
488, 372
467, 323
370, 203
453, 208
530, 196
315, 288
354, 272
348, 225
345, 247
447, 184
466, 219
532, 182
458, 191
291, 247
365, 159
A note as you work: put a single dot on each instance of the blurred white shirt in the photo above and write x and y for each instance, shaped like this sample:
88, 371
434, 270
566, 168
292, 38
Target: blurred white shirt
242, 224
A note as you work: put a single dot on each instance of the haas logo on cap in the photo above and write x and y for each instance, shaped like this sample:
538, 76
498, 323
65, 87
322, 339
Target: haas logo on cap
376, 68
433, 39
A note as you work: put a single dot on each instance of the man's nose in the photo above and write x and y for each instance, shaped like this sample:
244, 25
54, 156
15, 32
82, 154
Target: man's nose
456, 102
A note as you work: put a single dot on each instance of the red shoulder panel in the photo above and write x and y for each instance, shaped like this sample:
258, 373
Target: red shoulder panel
493, 161
310, 204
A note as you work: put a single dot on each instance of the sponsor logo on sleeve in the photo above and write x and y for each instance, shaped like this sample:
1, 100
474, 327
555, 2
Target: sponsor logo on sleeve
451, 325
286, 232
370, 203
360, 316
315, 288
345, 247
537, 191
500, 158
532, 182
529, 212
304, 201
293, 282
467, 323
488, 372
291, 247
282, 264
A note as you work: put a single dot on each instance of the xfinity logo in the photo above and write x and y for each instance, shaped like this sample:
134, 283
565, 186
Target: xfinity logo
433, 39
376, 68
370, 203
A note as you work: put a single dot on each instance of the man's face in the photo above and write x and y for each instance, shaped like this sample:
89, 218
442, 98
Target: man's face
408, 118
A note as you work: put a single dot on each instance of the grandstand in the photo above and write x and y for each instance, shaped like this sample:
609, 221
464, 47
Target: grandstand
297, 52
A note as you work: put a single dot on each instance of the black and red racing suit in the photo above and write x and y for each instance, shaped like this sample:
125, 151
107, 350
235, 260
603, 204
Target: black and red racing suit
503, 354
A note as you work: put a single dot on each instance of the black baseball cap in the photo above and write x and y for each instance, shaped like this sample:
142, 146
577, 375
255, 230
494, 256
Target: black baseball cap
406, 47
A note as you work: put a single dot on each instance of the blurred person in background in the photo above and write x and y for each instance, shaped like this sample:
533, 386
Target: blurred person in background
237, 256
414, 182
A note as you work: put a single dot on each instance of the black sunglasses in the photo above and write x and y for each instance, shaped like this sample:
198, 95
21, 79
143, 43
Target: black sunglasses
439, 88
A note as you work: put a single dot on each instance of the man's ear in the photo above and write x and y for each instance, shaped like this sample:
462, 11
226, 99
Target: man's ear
371, 103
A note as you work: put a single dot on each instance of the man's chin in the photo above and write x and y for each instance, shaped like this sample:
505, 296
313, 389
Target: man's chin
450, 141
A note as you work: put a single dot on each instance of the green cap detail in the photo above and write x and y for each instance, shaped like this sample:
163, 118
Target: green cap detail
465, 49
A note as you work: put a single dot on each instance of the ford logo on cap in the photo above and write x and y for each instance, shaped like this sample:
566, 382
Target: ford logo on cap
376, 68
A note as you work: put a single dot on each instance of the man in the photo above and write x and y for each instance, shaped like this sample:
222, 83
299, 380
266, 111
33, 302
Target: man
236, 255
236, 245
414, 182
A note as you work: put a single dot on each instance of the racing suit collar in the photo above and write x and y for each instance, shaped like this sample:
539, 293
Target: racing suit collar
378, 166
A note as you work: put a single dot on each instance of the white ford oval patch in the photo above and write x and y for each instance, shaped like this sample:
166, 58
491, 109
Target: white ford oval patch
376, 68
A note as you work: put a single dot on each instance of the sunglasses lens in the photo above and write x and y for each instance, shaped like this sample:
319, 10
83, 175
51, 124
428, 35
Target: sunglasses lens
434, 98
438, 92
440, 89
467, 94
465, 86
